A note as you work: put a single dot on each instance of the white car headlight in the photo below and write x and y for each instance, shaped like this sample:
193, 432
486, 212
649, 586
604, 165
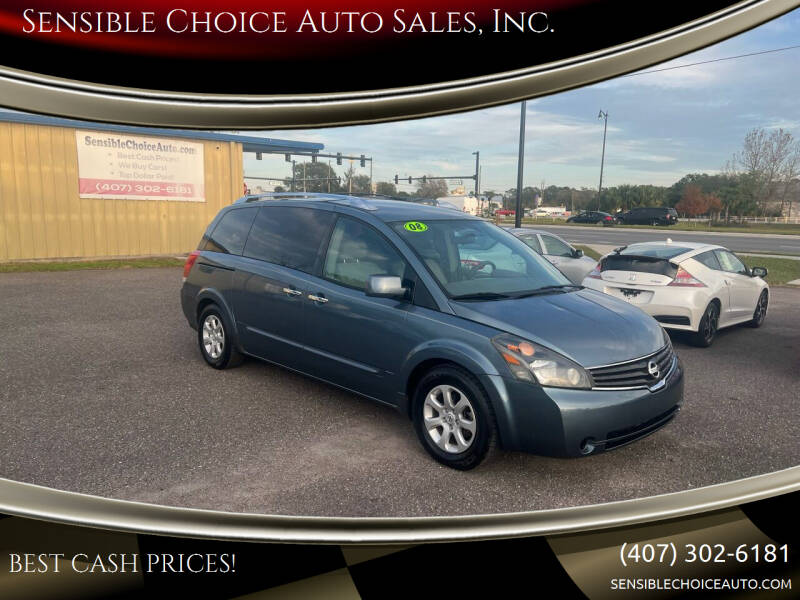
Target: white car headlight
535, 363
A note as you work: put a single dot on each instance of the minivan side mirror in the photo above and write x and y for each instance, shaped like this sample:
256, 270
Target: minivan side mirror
758, 272
577, 253
385, 286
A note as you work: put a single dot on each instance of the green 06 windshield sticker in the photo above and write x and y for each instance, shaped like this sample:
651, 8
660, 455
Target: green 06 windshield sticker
416, 226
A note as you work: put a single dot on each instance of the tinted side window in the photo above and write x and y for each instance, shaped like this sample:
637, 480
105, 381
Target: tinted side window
289, 236
730, 263
357, 251
555, 247
709, 259
230, 233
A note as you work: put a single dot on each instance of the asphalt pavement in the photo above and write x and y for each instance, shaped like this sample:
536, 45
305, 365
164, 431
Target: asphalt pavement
103, 391
619, 236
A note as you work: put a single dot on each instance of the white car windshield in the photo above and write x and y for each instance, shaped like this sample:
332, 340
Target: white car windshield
476, 260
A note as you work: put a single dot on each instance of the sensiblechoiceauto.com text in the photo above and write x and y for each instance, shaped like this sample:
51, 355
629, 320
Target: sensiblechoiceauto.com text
122, 563
182, 21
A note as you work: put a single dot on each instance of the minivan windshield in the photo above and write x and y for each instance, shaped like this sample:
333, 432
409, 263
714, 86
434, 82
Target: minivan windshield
476, 260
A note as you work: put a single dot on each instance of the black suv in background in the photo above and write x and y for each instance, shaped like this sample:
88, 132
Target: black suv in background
649, 215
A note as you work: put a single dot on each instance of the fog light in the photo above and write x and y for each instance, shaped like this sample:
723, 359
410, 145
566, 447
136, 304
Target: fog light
587, 446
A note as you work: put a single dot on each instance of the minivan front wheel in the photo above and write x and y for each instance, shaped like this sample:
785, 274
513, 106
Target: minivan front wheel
214, 338
453, 418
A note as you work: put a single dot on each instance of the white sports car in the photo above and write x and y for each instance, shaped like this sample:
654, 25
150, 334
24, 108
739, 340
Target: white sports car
683, 285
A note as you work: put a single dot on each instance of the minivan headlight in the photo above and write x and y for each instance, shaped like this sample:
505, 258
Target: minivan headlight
535, 363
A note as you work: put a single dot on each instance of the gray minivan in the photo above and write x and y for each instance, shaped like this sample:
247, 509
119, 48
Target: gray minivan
443, 316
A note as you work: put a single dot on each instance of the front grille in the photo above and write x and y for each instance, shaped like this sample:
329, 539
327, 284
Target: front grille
634, 373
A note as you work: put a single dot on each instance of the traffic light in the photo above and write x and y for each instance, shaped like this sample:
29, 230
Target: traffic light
314, 158
363, 161
338, 158
395, 179
288, 157
424, 179
258, 155
409, 179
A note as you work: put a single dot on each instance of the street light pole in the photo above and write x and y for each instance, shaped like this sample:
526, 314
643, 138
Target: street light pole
477, 172
520, 160
604, 116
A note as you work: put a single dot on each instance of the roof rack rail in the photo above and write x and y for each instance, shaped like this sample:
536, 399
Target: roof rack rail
286, 196
343, 199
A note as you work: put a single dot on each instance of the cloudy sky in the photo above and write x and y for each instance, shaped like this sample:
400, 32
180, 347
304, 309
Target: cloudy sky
661, 124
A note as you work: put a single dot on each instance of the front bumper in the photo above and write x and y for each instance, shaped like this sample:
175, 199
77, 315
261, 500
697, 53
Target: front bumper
565, 422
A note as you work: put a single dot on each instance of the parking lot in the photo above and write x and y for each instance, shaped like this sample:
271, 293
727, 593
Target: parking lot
103, 391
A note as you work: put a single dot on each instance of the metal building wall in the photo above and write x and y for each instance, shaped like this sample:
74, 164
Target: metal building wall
42, 216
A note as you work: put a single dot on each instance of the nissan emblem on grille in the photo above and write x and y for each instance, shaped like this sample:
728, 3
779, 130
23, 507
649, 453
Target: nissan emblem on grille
652, 368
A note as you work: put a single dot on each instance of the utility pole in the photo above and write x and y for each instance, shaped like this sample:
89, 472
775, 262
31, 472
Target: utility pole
370, 178
604, 116
350, 179
329, 176
477, 173
304, 177
294, 177
520, 160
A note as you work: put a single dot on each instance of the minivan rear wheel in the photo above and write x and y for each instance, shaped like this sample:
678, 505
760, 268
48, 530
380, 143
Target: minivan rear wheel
215, 339
453, 418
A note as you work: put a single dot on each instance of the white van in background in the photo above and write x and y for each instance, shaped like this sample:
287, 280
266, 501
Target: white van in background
468, 204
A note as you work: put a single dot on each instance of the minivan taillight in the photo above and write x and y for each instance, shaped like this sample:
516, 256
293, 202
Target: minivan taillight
189, 263
685, 279
595, 273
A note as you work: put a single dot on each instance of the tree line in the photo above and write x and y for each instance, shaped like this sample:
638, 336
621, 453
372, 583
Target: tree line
321, 177
762, 179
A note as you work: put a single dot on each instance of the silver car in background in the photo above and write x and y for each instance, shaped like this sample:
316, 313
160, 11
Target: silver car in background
568, 259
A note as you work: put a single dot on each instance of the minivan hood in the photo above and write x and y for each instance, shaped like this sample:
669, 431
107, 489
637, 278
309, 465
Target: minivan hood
589, 327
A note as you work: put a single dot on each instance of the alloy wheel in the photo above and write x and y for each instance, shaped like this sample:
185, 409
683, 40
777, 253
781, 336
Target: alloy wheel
449, 419
710, 323
213, 336
761, 308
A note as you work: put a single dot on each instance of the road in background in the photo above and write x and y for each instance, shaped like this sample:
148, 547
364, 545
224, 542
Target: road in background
103, 391
738, 242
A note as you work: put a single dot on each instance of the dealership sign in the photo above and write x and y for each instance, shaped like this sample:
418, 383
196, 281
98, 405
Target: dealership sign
129, 167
